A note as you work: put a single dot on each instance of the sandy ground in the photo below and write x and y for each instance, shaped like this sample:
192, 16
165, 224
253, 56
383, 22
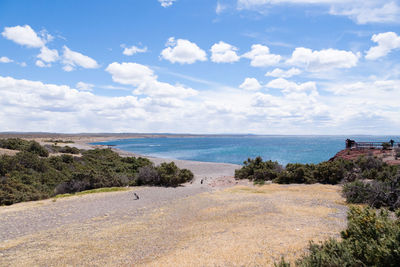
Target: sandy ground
237, 226
217, 222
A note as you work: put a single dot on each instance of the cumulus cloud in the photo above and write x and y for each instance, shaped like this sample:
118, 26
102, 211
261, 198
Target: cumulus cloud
183, 52
220, 8
166, 3
260, 56
360, 11
323, 59
72, 59
130, 51
5, 60
224, 53
387, 42
250, 84
48, 55
41, 64
60, 108
369, 11
145, 81
84, 86
23, 35
288, 86
279, 73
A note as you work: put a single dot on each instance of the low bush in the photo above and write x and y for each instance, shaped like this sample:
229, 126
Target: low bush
257, 169
377, 194
63, 149
27, 176
24, 145
371, 239
329, 172
167, 174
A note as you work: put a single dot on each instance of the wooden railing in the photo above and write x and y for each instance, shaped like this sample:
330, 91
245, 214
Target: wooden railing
371, 145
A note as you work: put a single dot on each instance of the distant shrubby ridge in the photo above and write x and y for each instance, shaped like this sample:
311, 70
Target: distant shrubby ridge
24, 145
32, 175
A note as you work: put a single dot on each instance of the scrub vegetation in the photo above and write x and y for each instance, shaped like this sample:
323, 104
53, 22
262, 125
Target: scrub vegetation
32, 175
372, 237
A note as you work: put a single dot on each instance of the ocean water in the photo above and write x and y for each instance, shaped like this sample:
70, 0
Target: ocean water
236, 149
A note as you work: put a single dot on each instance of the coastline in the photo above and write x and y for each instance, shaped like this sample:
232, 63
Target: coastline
212, 174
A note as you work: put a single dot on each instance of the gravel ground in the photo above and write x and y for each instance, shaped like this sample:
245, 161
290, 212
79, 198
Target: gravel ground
237, 226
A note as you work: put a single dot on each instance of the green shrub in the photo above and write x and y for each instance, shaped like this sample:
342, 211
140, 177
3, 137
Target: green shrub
69, 150
386, 146
257, 169
375, 193
36, 148
147, 175
26, 176
171, 175
24, 145
296, 173
369, 163
371, 239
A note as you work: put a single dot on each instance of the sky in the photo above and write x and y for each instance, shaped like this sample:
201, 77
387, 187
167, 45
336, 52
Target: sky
288, 67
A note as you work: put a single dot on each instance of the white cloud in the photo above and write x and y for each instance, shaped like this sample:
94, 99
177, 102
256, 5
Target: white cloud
183, 52
23, 35
22, 64
84, 86
36, 106
41, 64
72, 59
250, 84
361, 11
288, 86
369, 12
145, 81
387, 42
224, 53
48, 55
166, 3
323, 60
279, 73
5, 60
260, 56
129, 51
220, 8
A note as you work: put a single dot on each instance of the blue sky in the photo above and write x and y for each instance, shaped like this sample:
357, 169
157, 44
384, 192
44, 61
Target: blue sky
200, 66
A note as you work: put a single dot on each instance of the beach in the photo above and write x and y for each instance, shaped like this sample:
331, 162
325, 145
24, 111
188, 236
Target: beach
213, 221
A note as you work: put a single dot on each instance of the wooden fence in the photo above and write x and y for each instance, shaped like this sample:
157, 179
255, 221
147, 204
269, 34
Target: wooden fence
371, 145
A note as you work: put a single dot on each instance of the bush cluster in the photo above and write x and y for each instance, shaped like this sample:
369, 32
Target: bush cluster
24, 145
330, 172
167, 174
375, 193
27, 176
62, 149
371, 239
367, 180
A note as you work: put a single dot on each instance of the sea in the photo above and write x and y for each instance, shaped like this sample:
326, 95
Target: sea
237, 148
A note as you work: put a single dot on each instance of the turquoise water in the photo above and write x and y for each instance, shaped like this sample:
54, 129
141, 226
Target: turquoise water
236, 149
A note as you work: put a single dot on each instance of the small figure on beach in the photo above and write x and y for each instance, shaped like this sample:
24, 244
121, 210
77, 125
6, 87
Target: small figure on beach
391, 142
136, 196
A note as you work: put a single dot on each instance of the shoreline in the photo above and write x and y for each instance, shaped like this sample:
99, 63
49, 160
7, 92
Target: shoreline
213, 174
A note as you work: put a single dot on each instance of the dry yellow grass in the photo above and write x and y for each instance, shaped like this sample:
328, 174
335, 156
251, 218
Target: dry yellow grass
240, 226
9, 152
